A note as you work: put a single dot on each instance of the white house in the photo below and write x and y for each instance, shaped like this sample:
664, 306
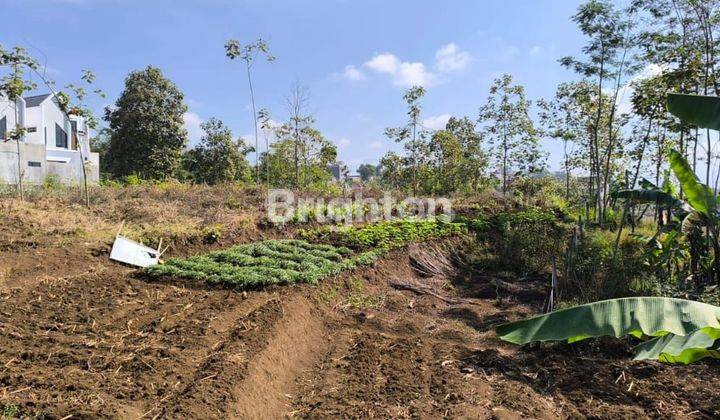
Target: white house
52, 143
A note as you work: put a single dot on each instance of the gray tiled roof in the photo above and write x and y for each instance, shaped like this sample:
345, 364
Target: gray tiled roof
36, 100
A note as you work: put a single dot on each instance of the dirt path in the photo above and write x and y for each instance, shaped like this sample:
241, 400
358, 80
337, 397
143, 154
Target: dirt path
102, 343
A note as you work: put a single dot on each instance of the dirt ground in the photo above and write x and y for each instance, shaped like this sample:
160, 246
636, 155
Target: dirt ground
82, 337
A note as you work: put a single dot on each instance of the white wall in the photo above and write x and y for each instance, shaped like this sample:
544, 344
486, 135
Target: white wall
7, 109
28, 153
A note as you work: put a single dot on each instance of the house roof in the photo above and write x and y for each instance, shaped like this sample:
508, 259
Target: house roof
36, 100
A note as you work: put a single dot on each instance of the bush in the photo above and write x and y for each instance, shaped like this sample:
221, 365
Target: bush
526, 241
594, 271
52, 182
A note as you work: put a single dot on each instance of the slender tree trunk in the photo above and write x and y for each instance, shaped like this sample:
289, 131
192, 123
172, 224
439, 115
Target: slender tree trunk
414, 158
642, 153
255, 125
611, 131
567, 172
21, 193
504, 164
596, 140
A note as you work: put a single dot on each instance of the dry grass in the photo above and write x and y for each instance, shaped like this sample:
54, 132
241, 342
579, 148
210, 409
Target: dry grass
180, 213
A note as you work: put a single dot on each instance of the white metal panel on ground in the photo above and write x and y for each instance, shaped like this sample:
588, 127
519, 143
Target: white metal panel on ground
130, 252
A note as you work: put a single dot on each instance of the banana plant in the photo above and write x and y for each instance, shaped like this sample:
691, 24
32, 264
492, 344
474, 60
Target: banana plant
702, 112
673, 330
698, 210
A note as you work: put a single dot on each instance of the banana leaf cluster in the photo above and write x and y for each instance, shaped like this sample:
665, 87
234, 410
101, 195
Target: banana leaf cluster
673, 330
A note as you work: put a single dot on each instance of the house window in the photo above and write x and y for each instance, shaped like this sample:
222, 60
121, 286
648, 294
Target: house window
61, 137
3, 127
32, 129
34, 164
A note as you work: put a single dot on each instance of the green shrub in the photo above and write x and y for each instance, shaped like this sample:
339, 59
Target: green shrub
132, 180
526, 241
594, 271
52, 182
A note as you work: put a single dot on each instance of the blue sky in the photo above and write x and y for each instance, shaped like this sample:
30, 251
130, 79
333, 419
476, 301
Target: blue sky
356, 57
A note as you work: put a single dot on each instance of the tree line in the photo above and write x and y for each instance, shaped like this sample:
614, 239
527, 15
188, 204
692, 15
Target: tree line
610, 119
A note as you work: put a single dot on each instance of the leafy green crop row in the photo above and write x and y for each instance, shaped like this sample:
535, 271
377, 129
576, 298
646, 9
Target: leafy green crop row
259, 264
294, 261
386, 235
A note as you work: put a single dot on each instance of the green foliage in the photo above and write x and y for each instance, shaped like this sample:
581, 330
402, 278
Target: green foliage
701, 111
594, 270
309, 149
684, 330
359, 298
293, 260
132, 180
52, 182
217, 158
648, 196
367, 171
385, 235
509, 130
259, 264
10, 411
525, 240
441, 162
148, 133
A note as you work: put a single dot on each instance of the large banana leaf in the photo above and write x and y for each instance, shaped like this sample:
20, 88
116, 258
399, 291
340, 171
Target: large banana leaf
700, 196
647, 185
649, 196
640, 317
686, 349
701, 111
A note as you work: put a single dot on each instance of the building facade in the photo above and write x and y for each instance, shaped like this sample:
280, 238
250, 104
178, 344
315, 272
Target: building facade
54, 145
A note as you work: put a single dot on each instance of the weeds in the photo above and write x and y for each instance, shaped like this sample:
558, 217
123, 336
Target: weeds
359, 298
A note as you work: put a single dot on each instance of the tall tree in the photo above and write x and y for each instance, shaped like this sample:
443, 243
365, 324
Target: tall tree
299, 127
148, 134
607, 59
367, 171
218, 158
565, 118
474, 161
248, 53
411, 135
509, 130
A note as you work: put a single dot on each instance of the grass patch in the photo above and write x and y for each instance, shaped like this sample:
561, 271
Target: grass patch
359, 298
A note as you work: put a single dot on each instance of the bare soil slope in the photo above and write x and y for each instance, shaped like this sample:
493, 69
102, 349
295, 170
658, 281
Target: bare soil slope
83, 337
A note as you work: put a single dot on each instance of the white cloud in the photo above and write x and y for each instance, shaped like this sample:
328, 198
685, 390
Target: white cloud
436, 122
192, 123
536, 50
344, 142
384, 63
404, 73
377, 145
450, 58
353, 73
